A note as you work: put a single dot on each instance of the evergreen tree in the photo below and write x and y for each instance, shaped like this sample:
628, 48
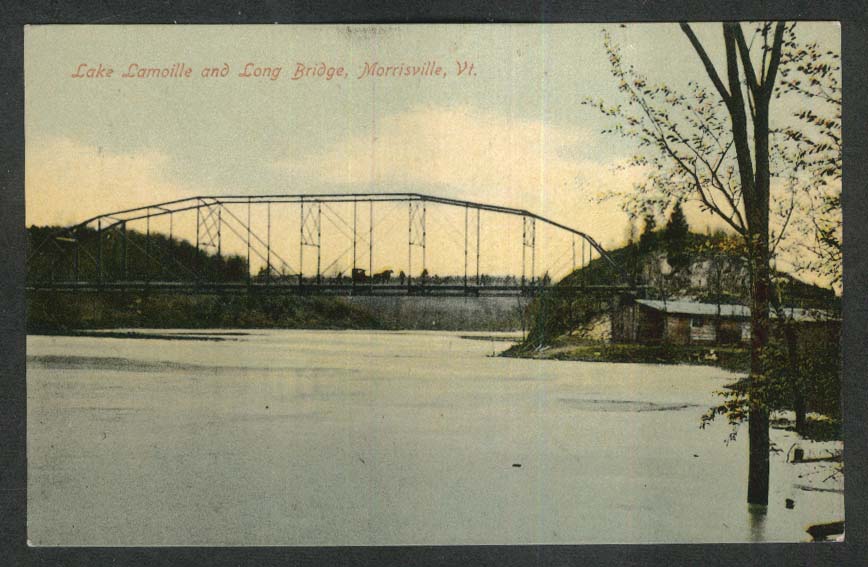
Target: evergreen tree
647, 239
675, 238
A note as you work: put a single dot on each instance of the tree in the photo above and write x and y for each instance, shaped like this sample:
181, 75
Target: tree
813, 144
687, 144
675, 237
648, 240
810, 151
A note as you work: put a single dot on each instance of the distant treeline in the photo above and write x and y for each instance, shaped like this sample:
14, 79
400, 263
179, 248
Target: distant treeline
57, 311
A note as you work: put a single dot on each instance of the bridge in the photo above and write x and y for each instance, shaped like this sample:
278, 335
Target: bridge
327, 244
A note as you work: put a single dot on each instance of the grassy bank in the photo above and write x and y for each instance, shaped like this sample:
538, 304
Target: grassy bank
572, 348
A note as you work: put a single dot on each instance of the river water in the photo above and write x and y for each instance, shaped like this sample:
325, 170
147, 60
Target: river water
386, 438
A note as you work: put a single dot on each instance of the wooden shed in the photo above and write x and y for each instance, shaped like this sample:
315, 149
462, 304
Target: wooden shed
689, 322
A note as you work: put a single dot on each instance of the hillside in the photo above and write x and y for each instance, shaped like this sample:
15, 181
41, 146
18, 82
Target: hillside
705, 268
699, 267
51, 256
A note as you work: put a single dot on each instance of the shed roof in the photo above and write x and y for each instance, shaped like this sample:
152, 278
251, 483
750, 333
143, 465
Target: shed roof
684, 307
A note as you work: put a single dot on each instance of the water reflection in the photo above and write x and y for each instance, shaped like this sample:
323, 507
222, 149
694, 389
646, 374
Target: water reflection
757, 519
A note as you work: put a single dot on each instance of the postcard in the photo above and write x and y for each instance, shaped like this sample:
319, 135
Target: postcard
339, 285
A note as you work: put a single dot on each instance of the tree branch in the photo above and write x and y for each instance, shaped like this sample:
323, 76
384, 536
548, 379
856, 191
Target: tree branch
698, 185
744, 51
739, 120
773, 248
768, 85
709, 66
715, 180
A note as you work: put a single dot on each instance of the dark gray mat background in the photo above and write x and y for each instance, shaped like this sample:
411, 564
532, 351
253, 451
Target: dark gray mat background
13, 472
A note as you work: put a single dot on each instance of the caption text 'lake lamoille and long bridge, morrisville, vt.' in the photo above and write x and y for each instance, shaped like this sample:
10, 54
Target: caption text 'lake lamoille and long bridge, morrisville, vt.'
325, 71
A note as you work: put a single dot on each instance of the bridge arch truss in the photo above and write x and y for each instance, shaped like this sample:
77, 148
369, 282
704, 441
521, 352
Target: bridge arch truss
224, 218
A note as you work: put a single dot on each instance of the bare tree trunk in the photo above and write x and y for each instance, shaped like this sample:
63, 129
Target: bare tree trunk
758, 416
757, 212
754, 176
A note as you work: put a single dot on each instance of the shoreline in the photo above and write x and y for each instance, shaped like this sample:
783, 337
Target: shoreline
231, 333
53, 312
734, 359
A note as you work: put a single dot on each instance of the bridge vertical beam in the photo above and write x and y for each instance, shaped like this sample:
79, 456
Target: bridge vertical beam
533, 252
75, 258
584, 274
355, 228
171, 234
268, 245
409, 243
466, 215
355, 238
574, 253
424, 242
523, 249
196, 256
301, 243
220, 231
318, 241
124, 232
99, 251
248, 241
147, 245
477, 247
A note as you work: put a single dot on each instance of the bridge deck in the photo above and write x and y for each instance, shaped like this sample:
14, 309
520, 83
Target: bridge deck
336, 289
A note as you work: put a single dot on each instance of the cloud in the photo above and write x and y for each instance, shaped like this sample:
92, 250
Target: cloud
456, 147
67, 181
477, 155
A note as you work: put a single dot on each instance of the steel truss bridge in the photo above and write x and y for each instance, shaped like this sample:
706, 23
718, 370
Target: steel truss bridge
335, 242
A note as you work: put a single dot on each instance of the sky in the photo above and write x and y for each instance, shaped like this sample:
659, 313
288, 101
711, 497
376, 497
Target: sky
510, 131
